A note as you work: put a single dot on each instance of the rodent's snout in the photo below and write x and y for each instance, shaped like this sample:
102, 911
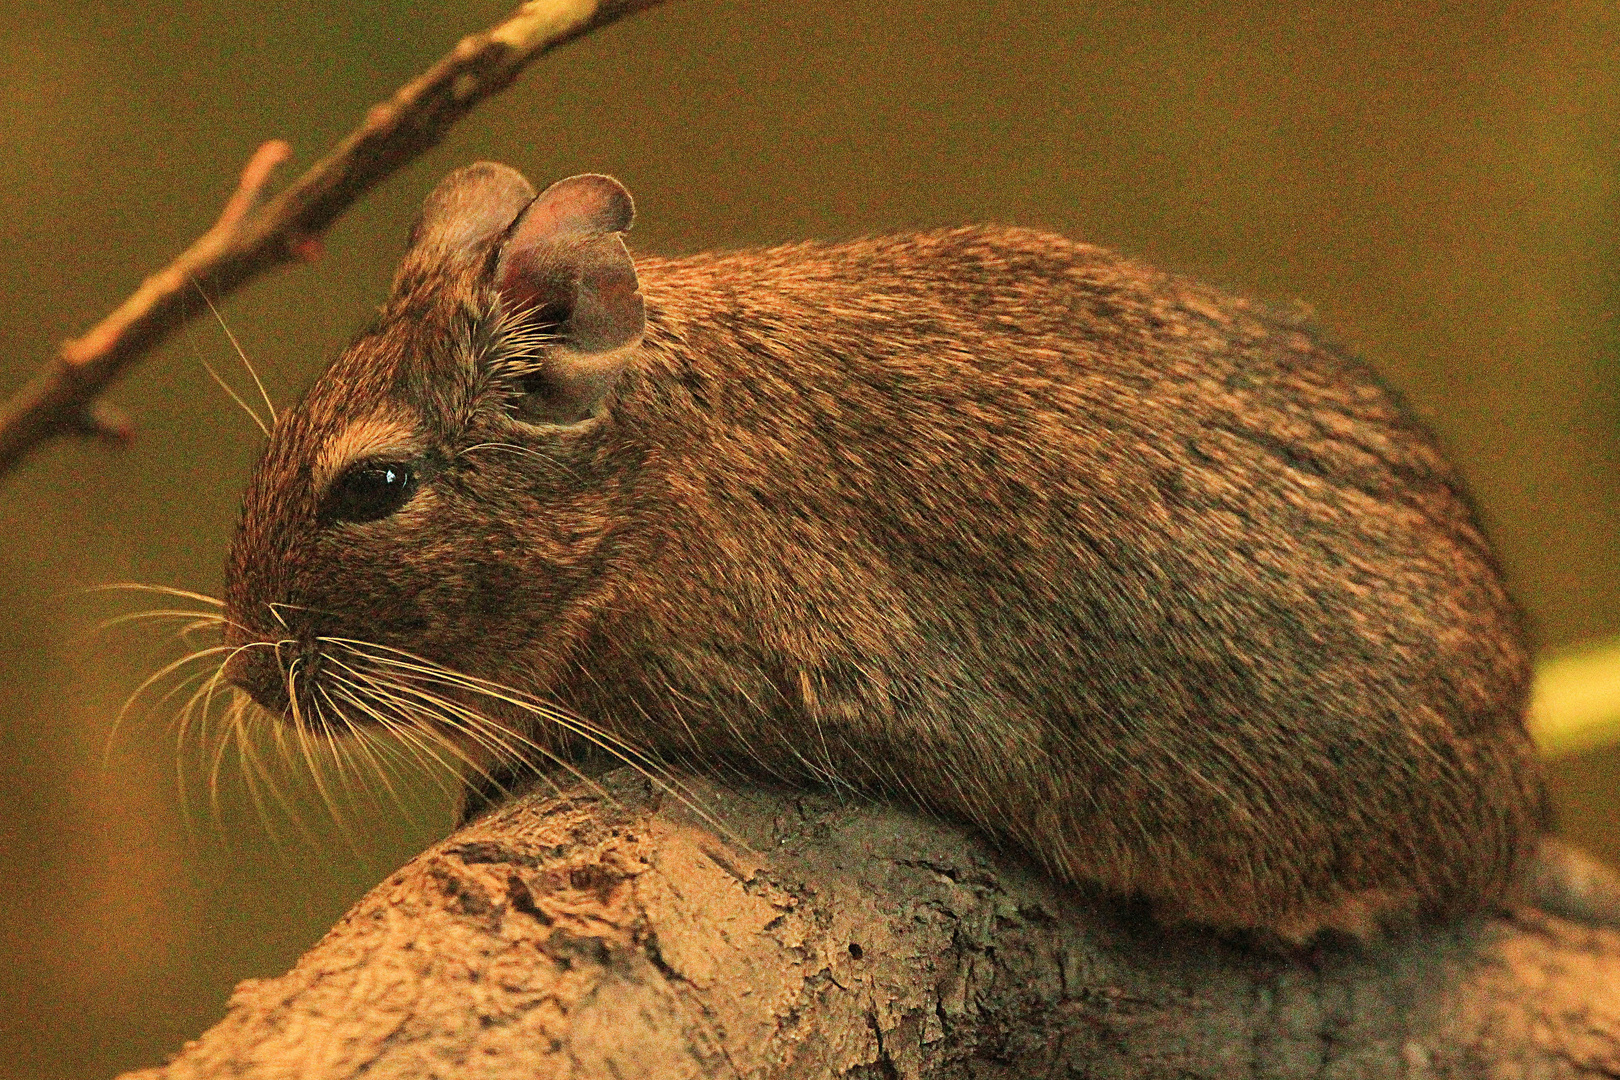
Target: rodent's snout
255, 668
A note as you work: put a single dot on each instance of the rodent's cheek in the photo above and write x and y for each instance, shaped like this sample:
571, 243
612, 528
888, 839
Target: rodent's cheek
365, 573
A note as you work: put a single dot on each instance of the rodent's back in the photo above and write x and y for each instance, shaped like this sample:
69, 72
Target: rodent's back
1146, 578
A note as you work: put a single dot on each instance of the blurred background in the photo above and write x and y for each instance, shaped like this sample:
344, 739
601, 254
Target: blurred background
1440, 181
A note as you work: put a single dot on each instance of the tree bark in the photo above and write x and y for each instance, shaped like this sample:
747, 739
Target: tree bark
606, 930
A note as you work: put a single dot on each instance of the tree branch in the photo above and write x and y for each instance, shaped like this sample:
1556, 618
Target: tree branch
603, 932
254, 235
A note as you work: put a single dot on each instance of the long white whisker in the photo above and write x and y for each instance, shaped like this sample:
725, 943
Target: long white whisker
162, 590
407, 742
241, 355
422, 742
162, 673
254, 766
446, 676
301, 731
200, 618
367, 747
421, 750
458, 716
225, 386
340, 763
449, 713
275, 613
359, 690
167, 669
236, 721
603, 740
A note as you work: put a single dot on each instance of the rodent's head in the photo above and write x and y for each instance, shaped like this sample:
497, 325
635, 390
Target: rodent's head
426, 497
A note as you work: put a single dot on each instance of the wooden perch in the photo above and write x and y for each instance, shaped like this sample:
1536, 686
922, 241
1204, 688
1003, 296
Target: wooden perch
607, 933
254, 234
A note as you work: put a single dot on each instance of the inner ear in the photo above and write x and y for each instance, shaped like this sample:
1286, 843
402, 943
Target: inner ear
564, 265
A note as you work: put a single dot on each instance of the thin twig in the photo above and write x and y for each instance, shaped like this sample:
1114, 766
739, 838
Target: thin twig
254, 234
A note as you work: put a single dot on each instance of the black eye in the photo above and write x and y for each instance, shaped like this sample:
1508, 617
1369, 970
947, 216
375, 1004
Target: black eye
368, 491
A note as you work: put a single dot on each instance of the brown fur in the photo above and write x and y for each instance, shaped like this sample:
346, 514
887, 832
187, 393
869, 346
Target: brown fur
1149, 581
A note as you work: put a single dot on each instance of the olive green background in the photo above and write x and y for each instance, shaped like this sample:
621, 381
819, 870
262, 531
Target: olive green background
1439, 181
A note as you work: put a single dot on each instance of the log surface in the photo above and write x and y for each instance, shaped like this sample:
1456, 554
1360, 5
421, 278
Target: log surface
608, 931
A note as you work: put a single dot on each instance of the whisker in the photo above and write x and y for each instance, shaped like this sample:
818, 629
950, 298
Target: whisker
256, 767
357, 691
235, 720
119, 717
275, 613
200, 619
198, 707
368, 747
422, 742
357, 723
241, 354
238, 723
602, 739
421, 750
180, 687
510, 746
162, 590
230, 391
219, 380
458, 717
301, 731
606, 741
405, 740
229, 722
340, 763
162, 673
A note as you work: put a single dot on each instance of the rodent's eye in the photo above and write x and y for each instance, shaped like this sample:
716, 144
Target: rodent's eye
368, 491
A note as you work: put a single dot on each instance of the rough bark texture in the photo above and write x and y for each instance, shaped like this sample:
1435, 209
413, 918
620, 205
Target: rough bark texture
609, 932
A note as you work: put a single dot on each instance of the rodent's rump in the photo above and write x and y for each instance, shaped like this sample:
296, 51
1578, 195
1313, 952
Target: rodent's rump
1145, 579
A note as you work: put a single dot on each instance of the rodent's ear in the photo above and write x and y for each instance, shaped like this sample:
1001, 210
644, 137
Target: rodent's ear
565, 260
471, 205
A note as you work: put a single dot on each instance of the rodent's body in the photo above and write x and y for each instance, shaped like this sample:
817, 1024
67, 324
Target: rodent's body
1144, 578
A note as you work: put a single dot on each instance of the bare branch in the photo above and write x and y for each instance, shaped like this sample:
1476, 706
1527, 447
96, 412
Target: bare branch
254, 234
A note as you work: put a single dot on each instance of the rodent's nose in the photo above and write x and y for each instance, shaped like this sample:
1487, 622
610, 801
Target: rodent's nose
256, 669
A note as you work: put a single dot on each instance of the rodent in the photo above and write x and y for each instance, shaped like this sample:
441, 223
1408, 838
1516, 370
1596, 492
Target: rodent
1149, 581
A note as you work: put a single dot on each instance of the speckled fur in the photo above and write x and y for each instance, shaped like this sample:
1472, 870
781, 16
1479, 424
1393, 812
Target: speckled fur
1143, 579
